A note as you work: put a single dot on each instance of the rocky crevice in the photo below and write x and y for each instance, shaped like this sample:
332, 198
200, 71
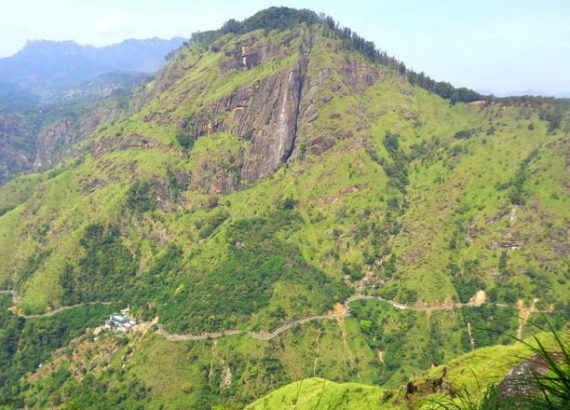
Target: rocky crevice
274, 142
303, 63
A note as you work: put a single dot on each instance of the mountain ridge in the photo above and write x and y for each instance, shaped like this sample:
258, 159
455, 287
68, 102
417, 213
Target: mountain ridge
207, 122
38, 120
48, 68
267, 175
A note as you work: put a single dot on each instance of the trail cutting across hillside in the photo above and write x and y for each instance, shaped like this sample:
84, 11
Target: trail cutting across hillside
61, 309
263, 335
16, 298
268, 335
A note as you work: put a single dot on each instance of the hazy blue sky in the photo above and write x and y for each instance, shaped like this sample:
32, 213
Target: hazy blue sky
496, 45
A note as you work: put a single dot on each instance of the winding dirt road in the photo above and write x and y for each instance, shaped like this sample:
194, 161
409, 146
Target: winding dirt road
16, 298
61, 309
267, 335
260, 336
263, 335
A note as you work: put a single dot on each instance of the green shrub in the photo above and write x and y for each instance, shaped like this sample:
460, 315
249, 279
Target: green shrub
141, 197
185, 141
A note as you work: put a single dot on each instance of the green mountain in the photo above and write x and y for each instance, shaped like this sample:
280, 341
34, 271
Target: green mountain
276, 176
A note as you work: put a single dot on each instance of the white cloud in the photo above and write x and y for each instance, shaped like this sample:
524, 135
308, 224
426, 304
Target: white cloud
113, 23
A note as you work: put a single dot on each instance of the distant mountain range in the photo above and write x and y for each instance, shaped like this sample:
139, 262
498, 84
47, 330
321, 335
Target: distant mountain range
521, 93
44, 72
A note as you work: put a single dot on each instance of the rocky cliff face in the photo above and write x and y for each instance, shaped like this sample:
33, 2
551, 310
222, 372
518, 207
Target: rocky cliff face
264, 115
38, 140
55, 139
52, 140
16, 148
273, 142
273, 114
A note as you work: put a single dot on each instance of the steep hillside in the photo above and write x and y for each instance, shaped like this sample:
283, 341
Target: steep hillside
54, 94
473, 372
267, 175
38, 139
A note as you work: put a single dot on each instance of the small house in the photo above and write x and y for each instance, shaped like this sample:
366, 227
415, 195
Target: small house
119, 321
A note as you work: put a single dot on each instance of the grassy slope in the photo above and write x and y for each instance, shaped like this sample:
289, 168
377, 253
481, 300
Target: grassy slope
337, 187
474, 370
387, 354
343, 199
320, 394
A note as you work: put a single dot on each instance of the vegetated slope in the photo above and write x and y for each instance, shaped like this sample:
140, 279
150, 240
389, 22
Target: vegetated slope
473, 372
234, 371
38, 139
382, 179
54, 94
268, 174
26, 344
321, 393
46, 69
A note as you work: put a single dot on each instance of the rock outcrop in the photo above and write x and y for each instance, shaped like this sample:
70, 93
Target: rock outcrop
518, 385
16, 148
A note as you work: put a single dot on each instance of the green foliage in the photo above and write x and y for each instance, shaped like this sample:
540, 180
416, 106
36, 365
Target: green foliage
141, 197
397, 170
553, 385
243, 283
289, 203
209, 224
186, 142
490, 325
66, 281
24, 344
282, 18
273, 18
547, 387
33, 264
354, 272
467, 279
162, 275
5, 210
504, 263
518, 193
92, 393
554, 119
177, 184
462, 399
106, 270
400, 206
312, 394
392, 142
465, 134
390, 265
